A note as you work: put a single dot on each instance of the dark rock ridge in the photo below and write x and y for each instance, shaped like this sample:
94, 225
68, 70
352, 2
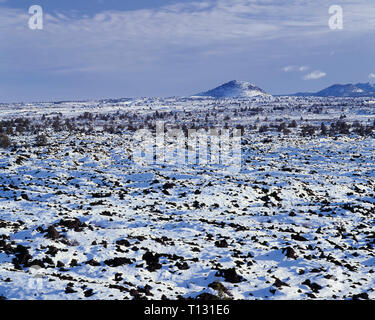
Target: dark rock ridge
343, 90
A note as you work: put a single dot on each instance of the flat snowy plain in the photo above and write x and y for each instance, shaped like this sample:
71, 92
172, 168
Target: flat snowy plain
80, 220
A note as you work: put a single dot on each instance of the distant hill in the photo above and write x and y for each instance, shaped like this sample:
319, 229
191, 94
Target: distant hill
343, 90
234, 88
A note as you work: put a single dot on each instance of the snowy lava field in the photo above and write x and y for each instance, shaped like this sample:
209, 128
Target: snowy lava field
80, 220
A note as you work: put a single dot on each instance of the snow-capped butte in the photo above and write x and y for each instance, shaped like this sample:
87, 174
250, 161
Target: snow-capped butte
236, 89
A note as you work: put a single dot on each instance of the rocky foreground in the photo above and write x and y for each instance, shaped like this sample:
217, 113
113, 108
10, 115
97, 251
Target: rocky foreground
78, 220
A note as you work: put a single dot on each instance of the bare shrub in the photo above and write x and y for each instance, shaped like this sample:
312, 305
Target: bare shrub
41, 140
4, 141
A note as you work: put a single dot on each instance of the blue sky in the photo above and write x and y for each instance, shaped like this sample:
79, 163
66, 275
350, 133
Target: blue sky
125, 48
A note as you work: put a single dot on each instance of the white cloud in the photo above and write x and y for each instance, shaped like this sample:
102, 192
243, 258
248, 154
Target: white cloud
371, 75
303, 68
314, 75
295, 68
290, 68
126, 41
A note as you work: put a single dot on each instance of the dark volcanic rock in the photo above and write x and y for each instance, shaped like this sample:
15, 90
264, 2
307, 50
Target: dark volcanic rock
24, 196
146, 290
101, 195
136, 295
75, 224
22, 257
74, 263
313, 286
116, 262
88, 293
37, 262
363, 296
60, 264
182, 266
278, 283
297, 237
221, 243
152, 261
289, 253
230, 275
69, 289
93, 263
52, 233
207, 296
218, 286
123, 242
52, 251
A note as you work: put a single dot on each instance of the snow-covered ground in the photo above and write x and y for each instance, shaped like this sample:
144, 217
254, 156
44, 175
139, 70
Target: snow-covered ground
80, 220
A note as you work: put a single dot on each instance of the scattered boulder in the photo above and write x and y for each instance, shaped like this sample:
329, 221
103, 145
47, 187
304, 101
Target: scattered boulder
88, 293
123, 242
220, 288
74, 263
182, 266
298, 237
207, 296
52, 233
146, 290
361, 296
221, 243
117, 262
278, 283
289, 253
69, 289
101, 195
152, 261
230, 275
93, 263
22, 257
74, 224
136, 295
313, 286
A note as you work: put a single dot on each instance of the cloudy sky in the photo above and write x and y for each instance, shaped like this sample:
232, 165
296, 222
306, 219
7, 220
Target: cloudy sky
127, 48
